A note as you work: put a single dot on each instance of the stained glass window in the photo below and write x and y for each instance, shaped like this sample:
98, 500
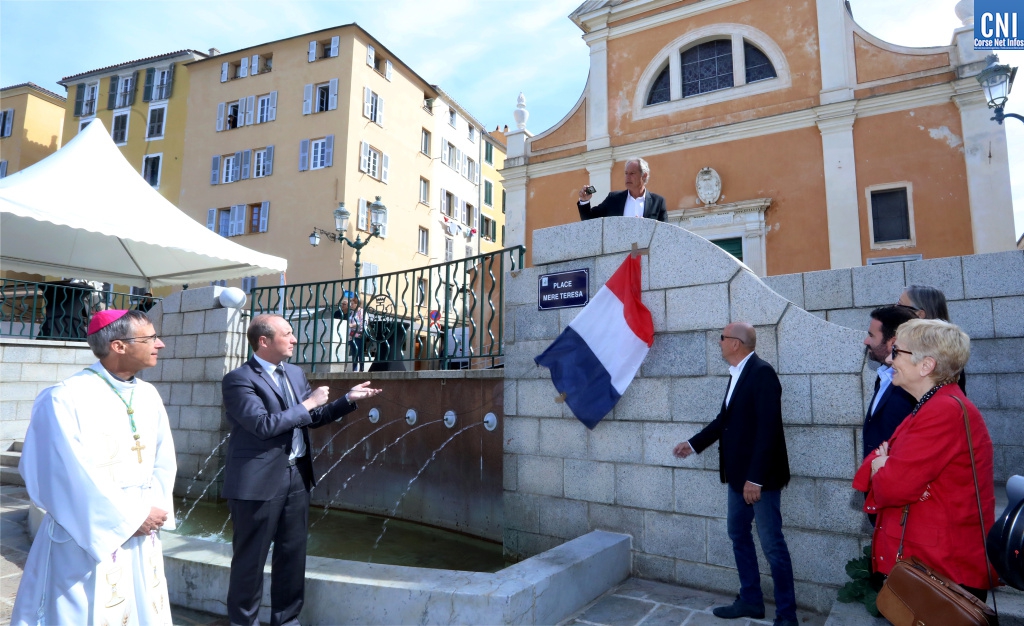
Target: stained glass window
758, 65
707, 67
660, 91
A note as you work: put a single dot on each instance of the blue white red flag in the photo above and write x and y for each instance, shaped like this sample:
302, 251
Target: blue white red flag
593, 361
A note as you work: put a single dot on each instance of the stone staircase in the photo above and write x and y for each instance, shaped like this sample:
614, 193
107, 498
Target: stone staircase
9, 464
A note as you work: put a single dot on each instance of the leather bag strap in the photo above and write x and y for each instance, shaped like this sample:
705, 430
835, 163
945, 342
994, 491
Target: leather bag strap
977, 493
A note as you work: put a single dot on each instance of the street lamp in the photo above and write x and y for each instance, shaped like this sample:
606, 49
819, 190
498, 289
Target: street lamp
997, 80
378, 213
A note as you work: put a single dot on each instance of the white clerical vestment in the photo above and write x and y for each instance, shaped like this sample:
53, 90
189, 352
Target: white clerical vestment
81, 464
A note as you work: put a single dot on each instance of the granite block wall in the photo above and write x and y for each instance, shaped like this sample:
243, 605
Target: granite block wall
562, 480
985, 293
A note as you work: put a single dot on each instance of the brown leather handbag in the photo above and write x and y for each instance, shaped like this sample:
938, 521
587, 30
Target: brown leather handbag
916, 595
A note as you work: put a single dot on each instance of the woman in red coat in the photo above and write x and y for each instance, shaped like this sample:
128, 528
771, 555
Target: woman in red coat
926, 464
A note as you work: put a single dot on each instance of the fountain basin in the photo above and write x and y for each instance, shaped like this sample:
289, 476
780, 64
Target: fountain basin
543, 589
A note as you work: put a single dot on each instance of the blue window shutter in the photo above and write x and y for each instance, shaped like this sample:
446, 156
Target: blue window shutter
147, 91
170, 82
236, 167
112, 93
264, 216
329, 151
269, 167
246, 160
303, 155
135, 88
215, 170
79, 98
211, 219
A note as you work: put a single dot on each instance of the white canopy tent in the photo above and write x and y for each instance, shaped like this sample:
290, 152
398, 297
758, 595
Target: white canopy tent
86, 212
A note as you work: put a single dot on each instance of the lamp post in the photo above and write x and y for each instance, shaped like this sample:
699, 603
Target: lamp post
997, 80
341, 216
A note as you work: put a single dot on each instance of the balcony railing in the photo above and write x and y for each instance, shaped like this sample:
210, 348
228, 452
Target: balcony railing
445, 316
57, 310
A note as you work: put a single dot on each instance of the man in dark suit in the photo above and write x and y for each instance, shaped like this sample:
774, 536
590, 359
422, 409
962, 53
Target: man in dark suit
754, 463
635, 201
889, 404
269, 471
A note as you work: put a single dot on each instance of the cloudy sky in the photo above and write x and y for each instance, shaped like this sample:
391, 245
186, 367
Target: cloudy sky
482, 52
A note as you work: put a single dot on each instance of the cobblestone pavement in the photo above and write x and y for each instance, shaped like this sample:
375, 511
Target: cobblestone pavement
639, 602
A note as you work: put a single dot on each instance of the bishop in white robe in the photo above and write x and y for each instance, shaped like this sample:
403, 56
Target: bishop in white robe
99, 459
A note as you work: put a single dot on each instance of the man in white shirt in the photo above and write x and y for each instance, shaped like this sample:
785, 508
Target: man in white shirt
889, 404
635, 201
754, 464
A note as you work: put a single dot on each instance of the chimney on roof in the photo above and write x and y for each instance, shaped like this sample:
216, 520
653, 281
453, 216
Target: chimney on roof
506, 128
214, 52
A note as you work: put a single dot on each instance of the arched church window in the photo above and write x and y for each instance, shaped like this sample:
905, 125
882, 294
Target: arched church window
707, 67
758, 65
661, 91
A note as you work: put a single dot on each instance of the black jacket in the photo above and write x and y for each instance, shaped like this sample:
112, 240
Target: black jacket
894, 406
753, 446
615, 204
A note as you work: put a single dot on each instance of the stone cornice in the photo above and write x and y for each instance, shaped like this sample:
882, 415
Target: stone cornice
757, 205
635, 8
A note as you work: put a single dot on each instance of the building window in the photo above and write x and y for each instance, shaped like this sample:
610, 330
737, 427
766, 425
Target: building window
318, 154
7, 123
488, 228
453, 117
373, 106
891, 219
3, 168
373, 163
502, 202
661, 91
323, 98
162, 84
151, 169
232, 121
120, 128
472, 133
83, 123
449, 204
263, 110
503, 235
259, 165
125, 91
260, 216
469, 214
155, 128
449, 249
707, 67
488, 193
489, 153
425, 141
470, 169
733, 246
421, 291
424, 191
469, 251
249, 283
323, 49
758, 65
228, 175
423, 244
89, 103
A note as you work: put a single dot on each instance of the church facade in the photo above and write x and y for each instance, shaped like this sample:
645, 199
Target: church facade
781, 130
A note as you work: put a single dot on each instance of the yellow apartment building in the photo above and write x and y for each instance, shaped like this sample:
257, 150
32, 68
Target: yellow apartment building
492, 214
281, 133
143, 104
31, 123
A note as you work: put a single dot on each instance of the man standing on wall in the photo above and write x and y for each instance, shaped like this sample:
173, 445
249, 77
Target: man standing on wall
754, 464
269, 471
635, 201
889, 404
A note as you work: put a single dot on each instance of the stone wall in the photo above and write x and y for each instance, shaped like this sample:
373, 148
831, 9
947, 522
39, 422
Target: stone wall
985, 293
28, 366
562, 480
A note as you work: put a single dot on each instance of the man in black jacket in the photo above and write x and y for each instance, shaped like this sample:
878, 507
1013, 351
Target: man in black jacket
635, 201
754, 464
889, 404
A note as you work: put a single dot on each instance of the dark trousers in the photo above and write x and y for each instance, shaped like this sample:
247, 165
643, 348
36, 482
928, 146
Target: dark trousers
357, 353
282, 520
768, 515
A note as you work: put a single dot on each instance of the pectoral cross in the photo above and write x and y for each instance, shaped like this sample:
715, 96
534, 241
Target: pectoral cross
138, 448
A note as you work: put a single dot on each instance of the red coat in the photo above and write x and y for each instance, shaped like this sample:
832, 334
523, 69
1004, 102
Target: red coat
929, 467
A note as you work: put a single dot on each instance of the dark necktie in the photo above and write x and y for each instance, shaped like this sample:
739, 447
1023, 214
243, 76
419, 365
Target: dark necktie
289, 401
878, 385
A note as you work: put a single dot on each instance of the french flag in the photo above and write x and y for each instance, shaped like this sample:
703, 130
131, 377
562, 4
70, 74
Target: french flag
593, 361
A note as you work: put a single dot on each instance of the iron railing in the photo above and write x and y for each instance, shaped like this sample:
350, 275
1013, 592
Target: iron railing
58, 310
445, 316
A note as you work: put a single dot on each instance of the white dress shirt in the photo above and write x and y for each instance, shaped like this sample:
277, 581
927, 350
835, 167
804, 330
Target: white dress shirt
634, 206
734, 372
298, 443
884, 380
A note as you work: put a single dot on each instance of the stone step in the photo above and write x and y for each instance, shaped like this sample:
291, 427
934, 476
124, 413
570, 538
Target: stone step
10, 459
16, 445
10, 476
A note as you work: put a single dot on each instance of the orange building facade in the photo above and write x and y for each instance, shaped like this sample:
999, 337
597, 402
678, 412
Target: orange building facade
814, 145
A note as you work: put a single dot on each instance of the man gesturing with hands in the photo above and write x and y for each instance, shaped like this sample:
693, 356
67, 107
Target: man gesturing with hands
269, 469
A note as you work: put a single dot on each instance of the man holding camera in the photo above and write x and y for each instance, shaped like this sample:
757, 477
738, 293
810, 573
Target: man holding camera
635, 201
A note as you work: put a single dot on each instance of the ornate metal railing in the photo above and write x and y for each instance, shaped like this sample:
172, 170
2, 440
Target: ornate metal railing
445, 316
59, 309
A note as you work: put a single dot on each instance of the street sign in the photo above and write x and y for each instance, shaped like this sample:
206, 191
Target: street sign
563, 290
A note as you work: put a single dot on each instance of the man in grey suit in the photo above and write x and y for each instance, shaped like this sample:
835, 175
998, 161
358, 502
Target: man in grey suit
269, 470
635, 201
